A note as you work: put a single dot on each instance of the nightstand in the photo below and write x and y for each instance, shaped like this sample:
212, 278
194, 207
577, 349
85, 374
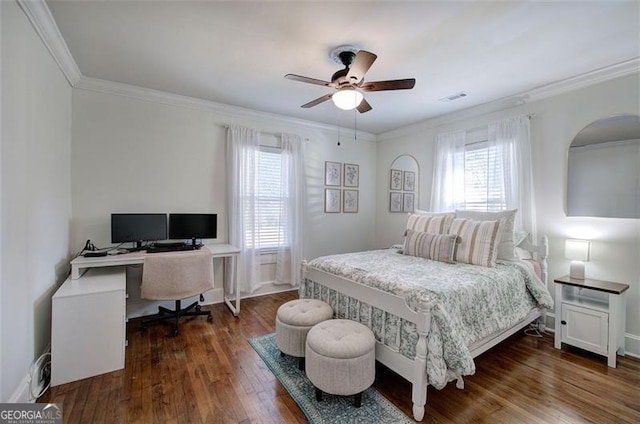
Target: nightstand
590, 314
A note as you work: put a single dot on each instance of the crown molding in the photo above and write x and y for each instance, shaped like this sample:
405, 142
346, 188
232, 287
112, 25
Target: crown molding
538, 93
232, 113
452, 117
42, 20
597, 76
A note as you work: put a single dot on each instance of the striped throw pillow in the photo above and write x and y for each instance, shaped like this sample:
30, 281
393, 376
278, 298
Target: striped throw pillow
438, 247
506, 244
436, 223
478, 241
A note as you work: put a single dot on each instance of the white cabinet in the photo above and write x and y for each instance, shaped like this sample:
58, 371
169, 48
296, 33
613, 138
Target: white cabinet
590, 314
88, 328
585, 328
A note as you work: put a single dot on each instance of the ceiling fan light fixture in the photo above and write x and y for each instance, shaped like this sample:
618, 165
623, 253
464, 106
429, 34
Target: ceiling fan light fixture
347, 98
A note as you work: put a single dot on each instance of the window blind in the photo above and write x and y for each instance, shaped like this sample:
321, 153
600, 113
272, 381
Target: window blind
483, 178
268, 209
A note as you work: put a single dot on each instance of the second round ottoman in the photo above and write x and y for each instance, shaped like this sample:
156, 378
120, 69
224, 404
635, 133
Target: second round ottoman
340, 358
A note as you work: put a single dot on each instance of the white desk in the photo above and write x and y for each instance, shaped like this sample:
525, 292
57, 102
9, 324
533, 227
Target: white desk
88, 332
224, 251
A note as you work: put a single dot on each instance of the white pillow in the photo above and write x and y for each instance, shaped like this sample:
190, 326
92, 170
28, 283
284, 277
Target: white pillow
478, 241
433, 223
519, 236
423, 212
506, 246
523, 254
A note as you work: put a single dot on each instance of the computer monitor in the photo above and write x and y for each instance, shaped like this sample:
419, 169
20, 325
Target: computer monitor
193, 226
138, 227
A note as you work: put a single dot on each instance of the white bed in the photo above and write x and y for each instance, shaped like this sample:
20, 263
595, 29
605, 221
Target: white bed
412, 317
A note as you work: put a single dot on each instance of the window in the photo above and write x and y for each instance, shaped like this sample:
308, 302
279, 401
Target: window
486, 169
266, 203
483, 178
270, 200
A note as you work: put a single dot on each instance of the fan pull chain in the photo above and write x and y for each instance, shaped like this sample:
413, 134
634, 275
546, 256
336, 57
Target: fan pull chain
355, 124
339, 116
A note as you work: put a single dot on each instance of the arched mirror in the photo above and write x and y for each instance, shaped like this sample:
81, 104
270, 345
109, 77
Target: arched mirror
403, 184
603, 177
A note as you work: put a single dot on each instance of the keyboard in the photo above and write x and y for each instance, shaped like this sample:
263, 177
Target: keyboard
171, 248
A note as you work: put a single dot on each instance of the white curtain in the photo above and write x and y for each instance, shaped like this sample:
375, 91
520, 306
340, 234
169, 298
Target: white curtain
447, 193
245, 210
243, 156
508, 166
511, 139
289, 256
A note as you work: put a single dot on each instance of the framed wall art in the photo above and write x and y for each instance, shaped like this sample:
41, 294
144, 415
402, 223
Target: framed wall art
395, 179
332, 173
407, 205
332, 200
409, 181
350, 201
351, 175
395, 202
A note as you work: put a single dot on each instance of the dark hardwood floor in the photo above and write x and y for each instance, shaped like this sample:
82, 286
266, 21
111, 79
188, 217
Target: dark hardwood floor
210, 374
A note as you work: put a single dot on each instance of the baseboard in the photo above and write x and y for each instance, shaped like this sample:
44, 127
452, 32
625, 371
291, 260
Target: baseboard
140, 307
21, 394
266, 288
137, 308
631, 341
551, 322
632, 345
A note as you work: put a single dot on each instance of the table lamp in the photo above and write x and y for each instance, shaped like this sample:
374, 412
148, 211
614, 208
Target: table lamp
578, 252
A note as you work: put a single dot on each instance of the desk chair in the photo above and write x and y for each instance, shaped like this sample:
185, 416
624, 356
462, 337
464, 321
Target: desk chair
176, 277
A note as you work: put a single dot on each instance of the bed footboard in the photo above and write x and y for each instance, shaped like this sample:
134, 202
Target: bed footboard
413, 370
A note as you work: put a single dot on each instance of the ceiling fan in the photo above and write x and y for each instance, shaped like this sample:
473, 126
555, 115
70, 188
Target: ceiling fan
349, 82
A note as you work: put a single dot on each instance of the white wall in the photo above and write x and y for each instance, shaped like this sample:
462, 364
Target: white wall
556, 120
131, 155
602, 180
36, 196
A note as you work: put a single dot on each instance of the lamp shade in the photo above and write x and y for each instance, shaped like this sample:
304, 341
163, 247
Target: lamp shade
577, 250
347, 98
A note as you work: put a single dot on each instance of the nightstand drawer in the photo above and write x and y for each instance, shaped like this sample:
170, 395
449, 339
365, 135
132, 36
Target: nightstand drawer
585, 328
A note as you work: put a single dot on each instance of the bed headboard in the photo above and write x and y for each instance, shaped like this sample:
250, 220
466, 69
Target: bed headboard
540, 252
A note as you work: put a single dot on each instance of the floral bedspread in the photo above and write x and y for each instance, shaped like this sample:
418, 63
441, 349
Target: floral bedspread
467, 302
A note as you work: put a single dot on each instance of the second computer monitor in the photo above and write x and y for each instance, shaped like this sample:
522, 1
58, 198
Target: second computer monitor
193, 226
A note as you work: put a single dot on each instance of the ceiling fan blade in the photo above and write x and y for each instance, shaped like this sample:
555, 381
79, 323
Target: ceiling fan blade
403, 84
308, 80
317, 101
364, 106
360, 66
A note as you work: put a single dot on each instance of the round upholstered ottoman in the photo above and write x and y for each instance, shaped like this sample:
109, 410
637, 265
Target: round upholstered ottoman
340, 358
294, 320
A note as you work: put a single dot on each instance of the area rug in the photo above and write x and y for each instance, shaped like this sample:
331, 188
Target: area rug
332, 409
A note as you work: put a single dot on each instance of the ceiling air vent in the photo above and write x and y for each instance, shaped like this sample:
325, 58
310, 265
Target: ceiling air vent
454, 97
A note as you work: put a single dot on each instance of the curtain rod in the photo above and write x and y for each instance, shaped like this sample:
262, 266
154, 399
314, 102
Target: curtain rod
275, 134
